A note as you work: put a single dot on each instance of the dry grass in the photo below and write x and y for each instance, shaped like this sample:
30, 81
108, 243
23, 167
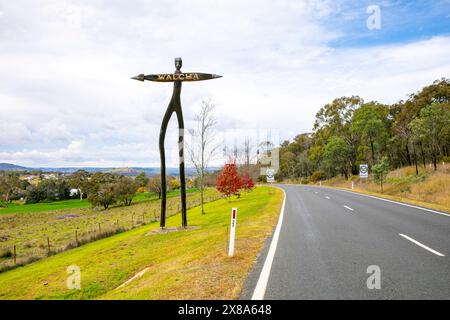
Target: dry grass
429, 188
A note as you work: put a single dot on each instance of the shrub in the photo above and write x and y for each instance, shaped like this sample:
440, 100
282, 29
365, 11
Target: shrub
445, 159
247, 182
174, 184
316, 176
380, 171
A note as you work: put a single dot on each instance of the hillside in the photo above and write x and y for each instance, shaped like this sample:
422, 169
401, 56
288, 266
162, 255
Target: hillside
12, 167
126, 171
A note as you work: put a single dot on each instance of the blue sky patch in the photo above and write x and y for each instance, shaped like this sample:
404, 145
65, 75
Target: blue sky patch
401, 22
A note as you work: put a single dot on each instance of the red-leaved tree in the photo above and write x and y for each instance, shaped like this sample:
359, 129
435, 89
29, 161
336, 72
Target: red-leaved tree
228, 181
247, 181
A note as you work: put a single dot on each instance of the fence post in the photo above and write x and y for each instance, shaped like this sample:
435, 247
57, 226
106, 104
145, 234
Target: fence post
99, 228
76, 236
15, 255
48, 245
132, 220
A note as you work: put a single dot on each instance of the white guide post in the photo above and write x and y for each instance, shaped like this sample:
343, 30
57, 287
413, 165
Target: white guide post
232, 232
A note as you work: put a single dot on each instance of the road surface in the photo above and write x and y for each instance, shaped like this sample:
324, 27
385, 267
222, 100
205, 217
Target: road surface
329, 239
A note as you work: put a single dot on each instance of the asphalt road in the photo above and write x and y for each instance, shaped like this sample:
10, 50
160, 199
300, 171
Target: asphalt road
329, 238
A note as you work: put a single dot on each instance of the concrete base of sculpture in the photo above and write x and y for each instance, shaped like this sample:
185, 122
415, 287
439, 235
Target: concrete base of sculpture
171, 229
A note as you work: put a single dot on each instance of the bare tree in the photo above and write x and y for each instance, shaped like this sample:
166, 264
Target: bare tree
247, 151
233, 154
202, 148
236, 153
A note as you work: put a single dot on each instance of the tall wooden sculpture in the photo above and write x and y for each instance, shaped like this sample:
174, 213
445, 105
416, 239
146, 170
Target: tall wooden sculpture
174, 106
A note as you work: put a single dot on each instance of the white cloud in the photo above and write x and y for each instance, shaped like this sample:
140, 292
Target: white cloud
66, 97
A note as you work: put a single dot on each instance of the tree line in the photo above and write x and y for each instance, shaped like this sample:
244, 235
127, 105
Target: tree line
100, 189
349, 131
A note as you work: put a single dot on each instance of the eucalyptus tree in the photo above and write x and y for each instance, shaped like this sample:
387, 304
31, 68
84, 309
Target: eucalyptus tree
370, 122
432, 128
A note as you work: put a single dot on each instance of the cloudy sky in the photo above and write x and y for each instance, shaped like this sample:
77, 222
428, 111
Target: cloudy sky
66, 98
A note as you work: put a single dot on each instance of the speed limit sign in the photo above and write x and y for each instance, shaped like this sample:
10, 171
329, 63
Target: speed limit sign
363, 171
270, 175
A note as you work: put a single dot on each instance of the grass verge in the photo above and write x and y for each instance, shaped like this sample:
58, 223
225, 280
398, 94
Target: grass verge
179, 265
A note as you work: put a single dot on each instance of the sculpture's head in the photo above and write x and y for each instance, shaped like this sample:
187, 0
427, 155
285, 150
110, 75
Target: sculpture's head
178, 63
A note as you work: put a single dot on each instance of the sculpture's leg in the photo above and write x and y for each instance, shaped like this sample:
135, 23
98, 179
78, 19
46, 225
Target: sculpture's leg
181, 156
162, 135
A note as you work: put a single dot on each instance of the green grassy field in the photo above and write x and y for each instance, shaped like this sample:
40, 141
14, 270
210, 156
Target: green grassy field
75, 203
189, 264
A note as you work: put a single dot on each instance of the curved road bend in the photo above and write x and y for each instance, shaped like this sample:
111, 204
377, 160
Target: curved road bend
330, 237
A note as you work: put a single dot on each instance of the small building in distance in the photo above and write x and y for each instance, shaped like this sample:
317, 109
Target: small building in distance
268, 157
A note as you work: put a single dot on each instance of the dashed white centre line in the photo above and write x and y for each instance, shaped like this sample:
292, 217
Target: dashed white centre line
315, 192
347, 207
327, 197
421, 245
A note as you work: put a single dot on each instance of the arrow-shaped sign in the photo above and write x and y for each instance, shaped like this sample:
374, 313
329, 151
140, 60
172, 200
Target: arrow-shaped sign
182, 76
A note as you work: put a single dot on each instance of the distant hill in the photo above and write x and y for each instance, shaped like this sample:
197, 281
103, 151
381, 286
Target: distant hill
127, 171
12, 167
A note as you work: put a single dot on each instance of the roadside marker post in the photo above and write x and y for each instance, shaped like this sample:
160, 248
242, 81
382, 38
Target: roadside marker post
232, 232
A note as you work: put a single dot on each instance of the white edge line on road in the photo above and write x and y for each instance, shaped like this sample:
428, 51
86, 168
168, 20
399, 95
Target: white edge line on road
348, 208
392, 201
421, 245
261, 285
401, 203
